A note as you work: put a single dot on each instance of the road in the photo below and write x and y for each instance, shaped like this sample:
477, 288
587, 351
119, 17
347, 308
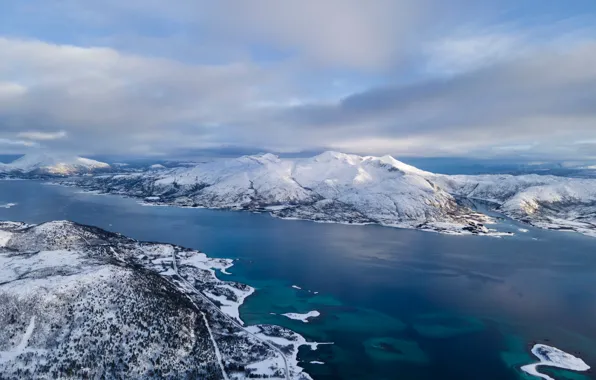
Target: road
228, 318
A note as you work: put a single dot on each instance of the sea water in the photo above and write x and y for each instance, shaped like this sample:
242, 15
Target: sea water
395, 303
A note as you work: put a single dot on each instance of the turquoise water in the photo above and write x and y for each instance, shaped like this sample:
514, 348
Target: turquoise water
397, 304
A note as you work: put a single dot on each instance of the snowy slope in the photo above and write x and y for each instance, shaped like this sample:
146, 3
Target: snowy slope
53, 164
338, 187
543, 201
330, 187
80, 302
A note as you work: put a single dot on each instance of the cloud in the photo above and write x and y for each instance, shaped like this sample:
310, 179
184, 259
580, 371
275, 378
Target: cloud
456, 55
348, 33
337, 33
42, 136
541, 99
112, 101
146, 77
109, 102
10, 146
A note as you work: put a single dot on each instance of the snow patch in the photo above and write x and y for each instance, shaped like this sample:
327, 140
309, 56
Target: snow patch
20, 349
290, 341
553, 357
302, 317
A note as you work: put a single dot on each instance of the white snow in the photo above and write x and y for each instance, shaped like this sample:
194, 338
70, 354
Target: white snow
229, 307
545, 201
4, 237
553, 357
335, 187
276, 208
7, 205
296, 287
523, 230
53, 163
201, 261
302, 317
73, 269
216, 347
293, 341
331, 187
11, 269
18, 350
316, 362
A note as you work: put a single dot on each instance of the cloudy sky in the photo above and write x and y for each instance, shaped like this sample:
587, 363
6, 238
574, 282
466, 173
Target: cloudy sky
460, 78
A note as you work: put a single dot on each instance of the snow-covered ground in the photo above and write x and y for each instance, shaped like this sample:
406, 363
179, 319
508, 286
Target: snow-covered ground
553, 357
302, 317
63, 285
287, 339
53, 164
544, 201
331, 187
335, 187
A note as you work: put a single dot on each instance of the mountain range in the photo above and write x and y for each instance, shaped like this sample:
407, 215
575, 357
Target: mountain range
345, 188
50, 164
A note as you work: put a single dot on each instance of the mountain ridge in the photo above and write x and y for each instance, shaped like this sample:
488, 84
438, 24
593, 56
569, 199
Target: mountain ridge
47, 163
347, 188
330, 187
93, 303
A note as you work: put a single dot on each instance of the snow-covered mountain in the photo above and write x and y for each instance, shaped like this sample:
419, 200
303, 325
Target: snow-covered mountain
331, 187
337, 187
543, 201
41, 163
79, 302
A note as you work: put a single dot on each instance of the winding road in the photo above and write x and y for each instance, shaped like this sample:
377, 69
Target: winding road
228, 318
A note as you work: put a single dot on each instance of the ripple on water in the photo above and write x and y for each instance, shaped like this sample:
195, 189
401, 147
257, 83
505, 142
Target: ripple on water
391, 349
443, 325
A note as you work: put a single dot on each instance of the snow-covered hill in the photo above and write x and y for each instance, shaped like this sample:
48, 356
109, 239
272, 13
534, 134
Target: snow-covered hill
79, 302
337, 187
40, 163
330, 187
543, 201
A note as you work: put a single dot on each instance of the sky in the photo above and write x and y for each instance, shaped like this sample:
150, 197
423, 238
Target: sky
416, 78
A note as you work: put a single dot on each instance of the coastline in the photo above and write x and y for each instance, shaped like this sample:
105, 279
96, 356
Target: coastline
549, 356
245, 271
274, 334
193, 273
447, 228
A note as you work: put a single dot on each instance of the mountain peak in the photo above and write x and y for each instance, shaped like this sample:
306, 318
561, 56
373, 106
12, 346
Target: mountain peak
389, 160
331, 155
261, 157
54, 163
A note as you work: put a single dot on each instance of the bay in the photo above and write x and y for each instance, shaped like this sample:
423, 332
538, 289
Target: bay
396, 303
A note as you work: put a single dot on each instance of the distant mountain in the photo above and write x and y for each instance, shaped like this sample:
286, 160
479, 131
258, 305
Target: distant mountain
53, 164
330, 187
344, 188
544, 201
79, 302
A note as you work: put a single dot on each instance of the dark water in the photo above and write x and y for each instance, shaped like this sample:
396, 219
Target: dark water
398, 304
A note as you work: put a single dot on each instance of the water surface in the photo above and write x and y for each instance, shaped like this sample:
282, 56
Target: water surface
397, 304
